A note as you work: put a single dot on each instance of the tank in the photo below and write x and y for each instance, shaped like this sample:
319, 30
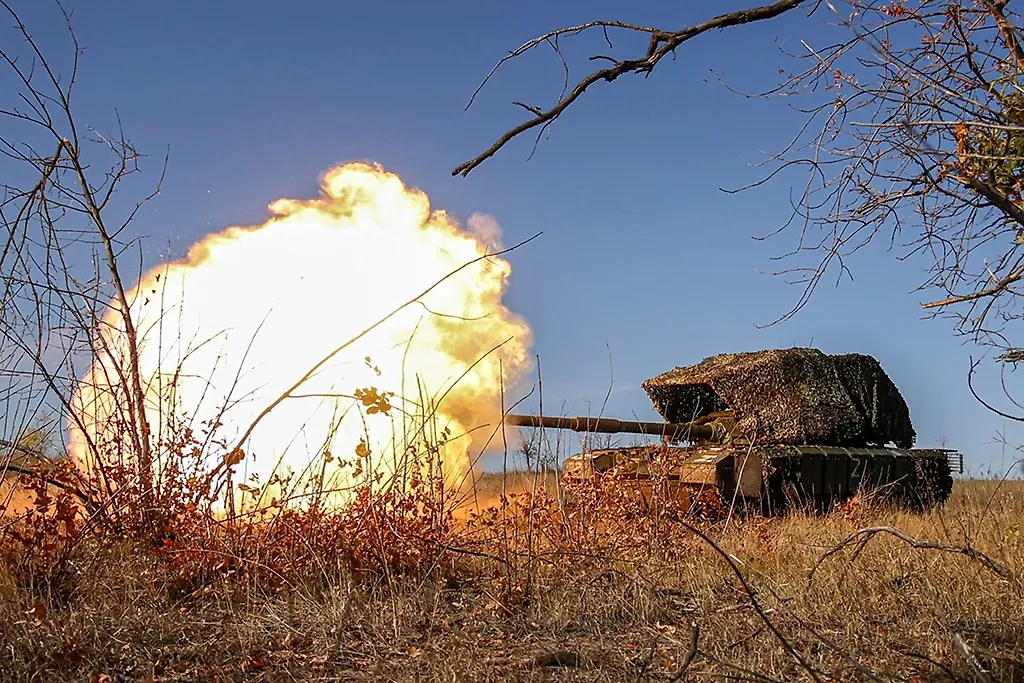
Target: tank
770, 430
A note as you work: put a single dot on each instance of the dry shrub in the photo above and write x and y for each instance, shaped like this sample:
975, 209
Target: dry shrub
385, 530
36, 545
606, 517
380, 534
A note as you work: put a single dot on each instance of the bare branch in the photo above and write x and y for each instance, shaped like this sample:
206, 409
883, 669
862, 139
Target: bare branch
1007, 29
662, 43
860, 538
996, 289
691, 652
55, 317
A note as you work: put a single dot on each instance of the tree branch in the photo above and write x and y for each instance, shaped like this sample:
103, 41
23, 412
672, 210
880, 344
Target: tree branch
1007, 29
998, 288
861, 537
662, 43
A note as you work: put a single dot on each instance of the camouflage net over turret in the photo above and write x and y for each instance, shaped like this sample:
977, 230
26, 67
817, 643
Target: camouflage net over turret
790, 396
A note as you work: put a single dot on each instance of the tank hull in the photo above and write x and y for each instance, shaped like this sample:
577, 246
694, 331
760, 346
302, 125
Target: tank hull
819, 477
776, 478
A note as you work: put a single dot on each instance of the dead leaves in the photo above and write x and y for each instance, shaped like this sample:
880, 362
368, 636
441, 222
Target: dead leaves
37, 612
375, 401
255, 663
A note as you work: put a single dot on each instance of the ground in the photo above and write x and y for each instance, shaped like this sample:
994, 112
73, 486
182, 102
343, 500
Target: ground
629, 609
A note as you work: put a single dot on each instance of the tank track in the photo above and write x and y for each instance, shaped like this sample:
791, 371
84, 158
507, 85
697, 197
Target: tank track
935, 479
929, 482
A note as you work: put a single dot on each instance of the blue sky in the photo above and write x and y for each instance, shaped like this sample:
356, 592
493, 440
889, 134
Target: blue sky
642, 255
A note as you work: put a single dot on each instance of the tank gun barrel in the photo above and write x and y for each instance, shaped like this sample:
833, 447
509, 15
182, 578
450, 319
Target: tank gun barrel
675, 431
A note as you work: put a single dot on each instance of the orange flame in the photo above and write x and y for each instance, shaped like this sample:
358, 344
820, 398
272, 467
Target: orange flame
252, 309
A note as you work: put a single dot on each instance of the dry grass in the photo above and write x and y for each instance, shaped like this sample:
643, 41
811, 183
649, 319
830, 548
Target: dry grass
893, 613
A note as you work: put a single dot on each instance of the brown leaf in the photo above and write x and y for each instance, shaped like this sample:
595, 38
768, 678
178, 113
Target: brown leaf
37, 611
255, 663
234, 457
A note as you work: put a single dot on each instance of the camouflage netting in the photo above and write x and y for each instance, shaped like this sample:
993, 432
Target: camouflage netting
790, 396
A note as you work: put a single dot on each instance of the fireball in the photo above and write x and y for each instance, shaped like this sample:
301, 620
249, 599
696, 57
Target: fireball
295, 340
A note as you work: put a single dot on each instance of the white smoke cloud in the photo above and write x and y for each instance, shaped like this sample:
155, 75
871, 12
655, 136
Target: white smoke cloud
486, 228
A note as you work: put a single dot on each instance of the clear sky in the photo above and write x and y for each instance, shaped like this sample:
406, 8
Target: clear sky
642, 255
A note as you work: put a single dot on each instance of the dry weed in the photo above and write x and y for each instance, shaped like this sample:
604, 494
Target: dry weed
529, 590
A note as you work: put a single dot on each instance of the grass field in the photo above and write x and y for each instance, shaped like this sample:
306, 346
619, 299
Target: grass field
635, 601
